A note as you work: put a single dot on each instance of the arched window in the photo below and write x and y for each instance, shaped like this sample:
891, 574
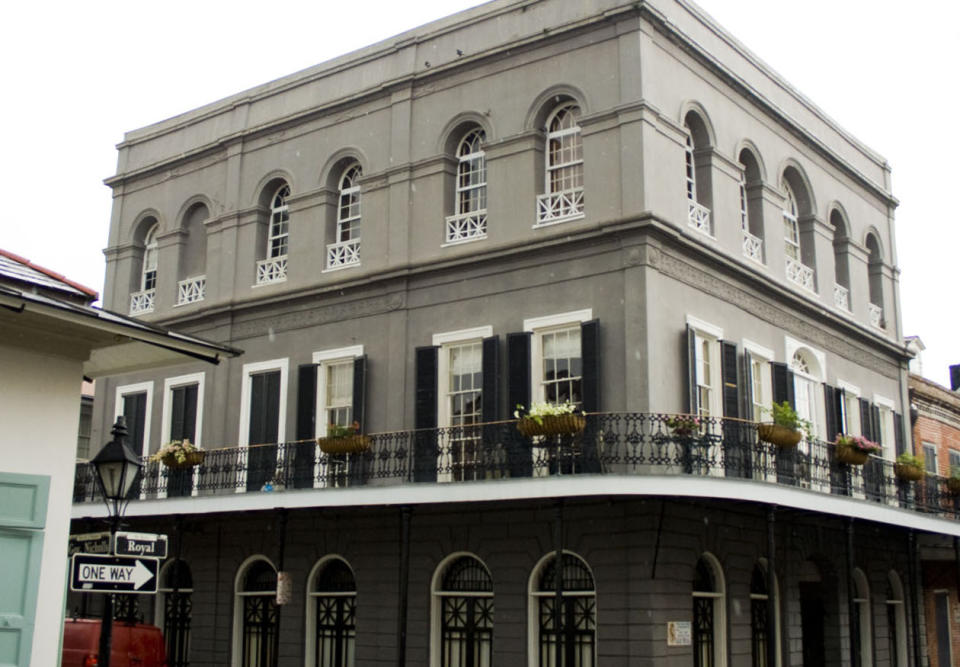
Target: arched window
469, 220
791, 225
331, 615
861, 602
345, 251
875, 275
255, 614
797, 212
174, 610
563, 191
191, 270
142, 300
751, 206
709, 613
763, 629
807, 392
273, 268
896, 621
841, 253
462, 614
574, 628
697, 173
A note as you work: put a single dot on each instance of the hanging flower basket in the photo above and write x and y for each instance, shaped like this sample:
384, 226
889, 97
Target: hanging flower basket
908, 472
568, 424
191, 459
781, 436
344, 444
851, 455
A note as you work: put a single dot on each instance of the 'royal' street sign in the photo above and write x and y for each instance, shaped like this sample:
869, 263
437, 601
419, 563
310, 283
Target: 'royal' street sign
89, 543
140, 544
90, 573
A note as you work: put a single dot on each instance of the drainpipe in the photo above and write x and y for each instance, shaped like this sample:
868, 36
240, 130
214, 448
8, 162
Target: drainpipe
404, 583
558, 580
772, 637
281, 549
914, 593
854, 617
175, 594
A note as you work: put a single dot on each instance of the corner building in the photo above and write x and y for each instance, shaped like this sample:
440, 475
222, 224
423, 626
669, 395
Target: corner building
608, 203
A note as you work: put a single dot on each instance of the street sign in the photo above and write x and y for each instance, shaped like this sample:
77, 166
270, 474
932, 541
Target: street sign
89, 543
91, 573
140, 544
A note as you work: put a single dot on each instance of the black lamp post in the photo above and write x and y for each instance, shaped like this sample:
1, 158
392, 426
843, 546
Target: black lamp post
117, 469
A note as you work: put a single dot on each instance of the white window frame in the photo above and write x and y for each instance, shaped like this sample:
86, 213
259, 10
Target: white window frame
791, 224
281, 237
719, 608
792, 347
548, 324
709, 335
573, 194
851, 408
862, 603
236, 643
888, 432
169, 384
775, 626
243, 438
900, 617
148, 273
136, 388
436, 602
324, 359
348, 227
760, 359
310, 615
953, 454
160, 603
929, 449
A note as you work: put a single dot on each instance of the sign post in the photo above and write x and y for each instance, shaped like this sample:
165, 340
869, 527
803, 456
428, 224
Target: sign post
91, 573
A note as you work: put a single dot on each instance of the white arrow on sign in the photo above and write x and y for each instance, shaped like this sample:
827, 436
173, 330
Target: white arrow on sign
138, 574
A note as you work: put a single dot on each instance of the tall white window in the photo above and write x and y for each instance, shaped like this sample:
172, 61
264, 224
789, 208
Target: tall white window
698, 215
807, 391
705, 378
279, 223
345, 250
888, 437
709, 613
850, 421
761, 397
556, 357
861, 602
691, 167
744, 208
563, 191
791, 226
335, 386
148, 279
469, 220
896, 621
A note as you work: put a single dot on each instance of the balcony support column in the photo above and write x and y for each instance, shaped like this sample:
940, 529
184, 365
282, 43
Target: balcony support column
914, 594
854, 617
283, 581
558, 580
772, 636
404, 576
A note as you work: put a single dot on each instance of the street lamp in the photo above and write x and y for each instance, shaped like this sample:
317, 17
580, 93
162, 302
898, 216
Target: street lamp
117, 469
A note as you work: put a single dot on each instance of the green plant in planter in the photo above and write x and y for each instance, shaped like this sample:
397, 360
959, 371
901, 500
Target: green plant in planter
953, 481
909, 467
784, 415
909, 459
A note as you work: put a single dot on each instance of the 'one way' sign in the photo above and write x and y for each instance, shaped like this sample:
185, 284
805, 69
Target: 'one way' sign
91, 573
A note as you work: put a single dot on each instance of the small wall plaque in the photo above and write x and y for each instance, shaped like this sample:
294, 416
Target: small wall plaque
679, 633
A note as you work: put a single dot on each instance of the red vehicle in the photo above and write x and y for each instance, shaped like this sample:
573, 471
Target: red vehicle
133, 644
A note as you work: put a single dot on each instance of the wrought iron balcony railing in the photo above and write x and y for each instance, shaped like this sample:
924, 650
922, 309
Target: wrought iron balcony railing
627, 444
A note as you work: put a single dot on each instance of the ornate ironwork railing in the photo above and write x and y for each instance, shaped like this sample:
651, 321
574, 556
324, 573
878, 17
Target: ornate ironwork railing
752, 247
467, 226
344, 253
800, 274
841, 297
272, 270
191, 290
626, 444
698, 217
876, 314
559, 206
142, 302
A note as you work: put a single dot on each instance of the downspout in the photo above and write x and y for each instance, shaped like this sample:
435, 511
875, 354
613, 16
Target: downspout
914, 592
772, 636
854, 617
281, 552
558, 580
404, 576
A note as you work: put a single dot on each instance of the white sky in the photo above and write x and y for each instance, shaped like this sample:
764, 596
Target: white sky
79, 75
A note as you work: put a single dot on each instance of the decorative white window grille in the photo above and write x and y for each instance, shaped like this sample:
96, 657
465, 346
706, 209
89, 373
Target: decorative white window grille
841, 297
698, 217
345, 251
563, 192
142, 302
470, 220
752, 247
800, 274
279, 223
272, 270
191, 290
876, 315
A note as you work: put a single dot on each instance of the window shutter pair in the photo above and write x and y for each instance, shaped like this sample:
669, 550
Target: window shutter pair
307, 397
730, 385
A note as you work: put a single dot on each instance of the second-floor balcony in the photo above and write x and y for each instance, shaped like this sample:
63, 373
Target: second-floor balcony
272, 270
621, 447
800, 274
559, 206
142, 302
466, 226
191, 290
343, 254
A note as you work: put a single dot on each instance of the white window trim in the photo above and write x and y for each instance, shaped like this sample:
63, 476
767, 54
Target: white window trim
444, 341
136, 388
719, 609
764, 355
884, 402
757, 350
436, 611
283, 365
791, 346
560, 319
310, 638
324, 358
544, 324
864, 609
888, 428
711, 330
462, 335
850, 390
159, 615
169, 385
713, 335
236, 653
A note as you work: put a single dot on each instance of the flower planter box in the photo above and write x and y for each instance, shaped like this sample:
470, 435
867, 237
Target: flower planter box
908, 472
781, 436
346, 444
552, 425
851, 455
192, 459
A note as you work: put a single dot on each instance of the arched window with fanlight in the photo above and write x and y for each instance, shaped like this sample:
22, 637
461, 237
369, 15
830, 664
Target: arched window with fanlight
345, 250
273, 267
174, 610
875, 281
469, 219
256, 614
142, 300
763, 629
861, 603
462, 607
896, 621
562, 198
697, 173
331, 614
571, 626
798, 243
709, 613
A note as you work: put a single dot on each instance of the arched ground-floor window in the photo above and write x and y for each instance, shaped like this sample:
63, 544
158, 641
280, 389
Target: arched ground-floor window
567, 631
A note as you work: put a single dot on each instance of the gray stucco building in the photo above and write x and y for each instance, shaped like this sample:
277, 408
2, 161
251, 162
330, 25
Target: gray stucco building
607, 203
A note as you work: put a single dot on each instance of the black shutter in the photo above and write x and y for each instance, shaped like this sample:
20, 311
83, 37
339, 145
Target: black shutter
832, 402
264, 428
183, 426
490, 398
782, 378
875, 425
135, 414
360, 391
518, 371
177, 397
425, 415
692, 394
590, 357
866, 420
731, 390
747, 393
190, 412
898, 433
306, 401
